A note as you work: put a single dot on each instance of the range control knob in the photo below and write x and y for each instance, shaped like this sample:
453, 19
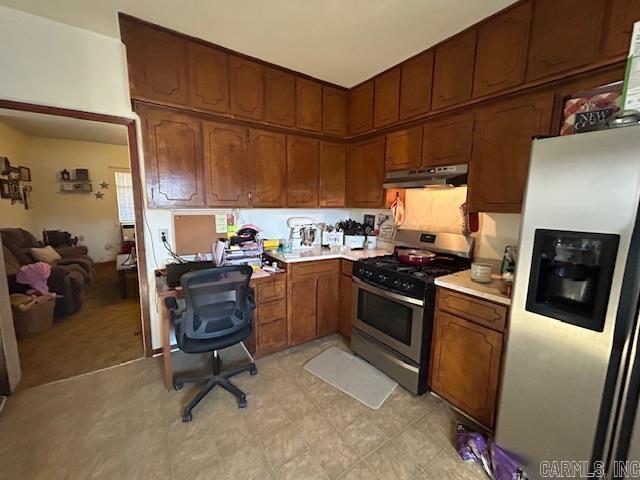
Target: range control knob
397, 283
368, 274
382, 278
406, 286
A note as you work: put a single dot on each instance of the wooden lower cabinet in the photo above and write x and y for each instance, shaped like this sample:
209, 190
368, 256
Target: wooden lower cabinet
313, 300
346, 297
270, 317
465, 364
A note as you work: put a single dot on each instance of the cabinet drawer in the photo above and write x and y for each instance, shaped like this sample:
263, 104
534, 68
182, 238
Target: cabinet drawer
268, 312
306, 269
272, 336
270, 290
346, 267
482, 312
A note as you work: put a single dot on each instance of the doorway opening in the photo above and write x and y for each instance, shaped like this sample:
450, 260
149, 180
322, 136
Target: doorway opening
72, 240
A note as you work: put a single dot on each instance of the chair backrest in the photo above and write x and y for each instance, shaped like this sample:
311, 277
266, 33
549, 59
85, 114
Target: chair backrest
216, 302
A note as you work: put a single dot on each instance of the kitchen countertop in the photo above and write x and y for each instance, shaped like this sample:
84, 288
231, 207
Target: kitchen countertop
326, 254
461, 282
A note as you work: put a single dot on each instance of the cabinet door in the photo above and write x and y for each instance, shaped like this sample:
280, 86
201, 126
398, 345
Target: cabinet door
403, 150
208, 78
271, 337
622, 14
415, 85
564, 35
501, 53
226, 165
308, 104
334, 110
453, 70
302, 312
280, 97
333, 172
361, 108
501, 148
173, 158
268, 160
157, 62
365, 174
328, 298
346, 298
465, 365
447, 141
302, 171
386, 98
246, 86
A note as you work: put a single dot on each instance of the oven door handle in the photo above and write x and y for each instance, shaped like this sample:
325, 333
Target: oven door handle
387, 293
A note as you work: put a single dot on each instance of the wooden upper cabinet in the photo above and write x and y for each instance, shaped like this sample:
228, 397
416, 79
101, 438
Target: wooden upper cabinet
403, 149
564, 35
208, 78
457, 343
173, 158
226, 165
246, 85
453, 70
622, 14
280, 97
501, 52
361, 108
447, 141
386, 98
308, 104
268, 161
502, 138
334, 110
365, 174
157, 60
302, 171
333, 165
415, 85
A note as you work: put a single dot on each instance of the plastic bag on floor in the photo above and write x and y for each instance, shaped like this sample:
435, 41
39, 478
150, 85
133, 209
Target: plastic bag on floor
497, 464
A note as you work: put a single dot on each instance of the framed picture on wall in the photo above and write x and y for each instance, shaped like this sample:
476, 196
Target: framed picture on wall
5, 191
4, 165
25, 174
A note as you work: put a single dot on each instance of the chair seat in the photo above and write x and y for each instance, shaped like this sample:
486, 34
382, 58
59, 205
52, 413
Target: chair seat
189, 345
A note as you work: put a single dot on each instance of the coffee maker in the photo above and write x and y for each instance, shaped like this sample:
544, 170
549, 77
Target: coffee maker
571, 276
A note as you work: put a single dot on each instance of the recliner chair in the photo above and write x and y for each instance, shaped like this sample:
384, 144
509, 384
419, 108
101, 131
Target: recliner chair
218, 313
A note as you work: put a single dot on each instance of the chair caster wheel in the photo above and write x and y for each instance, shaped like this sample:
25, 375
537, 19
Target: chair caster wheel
177, 386
253, 370
186, 417
242, 403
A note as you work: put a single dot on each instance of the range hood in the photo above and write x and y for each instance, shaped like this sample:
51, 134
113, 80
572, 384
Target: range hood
453, 175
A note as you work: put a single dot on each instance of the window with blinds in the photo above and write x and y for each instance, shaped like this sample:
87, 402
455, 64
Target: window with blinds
124, 191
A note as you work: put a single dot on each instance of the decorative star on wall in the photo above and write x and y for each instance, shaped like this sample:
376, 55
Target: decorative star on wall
104, 185
99, 195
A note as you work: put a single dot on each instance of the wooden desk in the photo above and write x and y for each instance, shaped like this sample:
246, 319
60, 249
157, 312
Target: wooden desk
123, 266
259, 281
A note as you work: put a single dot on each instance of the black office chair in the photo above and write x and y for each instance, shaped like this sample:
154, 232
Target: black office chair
218, 314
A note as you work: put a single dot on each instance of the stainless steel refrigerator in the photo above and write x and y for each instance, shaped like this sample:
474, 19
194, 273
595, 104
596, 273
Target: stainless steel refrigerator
568, 404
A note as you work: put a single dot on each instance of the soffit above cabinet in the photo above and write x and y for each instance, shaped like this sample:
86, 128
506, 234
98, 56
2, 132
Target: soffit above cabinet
340, 42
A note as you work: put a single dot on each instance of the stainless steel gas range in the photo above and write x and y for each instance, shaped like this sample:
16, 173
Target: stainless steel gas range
393, 302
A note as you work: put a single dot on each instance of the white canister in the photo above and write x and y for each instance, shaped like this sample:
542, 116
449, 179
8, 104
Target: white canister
354, 241
481, 272
371, 242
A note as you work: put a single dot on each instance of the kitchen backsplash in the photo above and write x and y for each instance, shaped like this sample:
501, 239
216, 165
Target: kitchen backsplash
438, 210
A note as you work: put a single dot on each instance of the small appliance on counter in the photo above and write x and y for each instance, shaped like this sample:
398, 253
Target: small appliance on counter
304, 233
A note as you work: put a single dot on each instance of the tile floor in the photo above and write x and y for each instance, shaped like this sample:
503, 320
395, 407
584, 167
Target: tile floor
121, 424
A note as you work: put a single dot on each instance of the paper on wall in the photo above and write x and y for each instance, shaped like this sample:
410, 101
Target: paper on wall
221, 222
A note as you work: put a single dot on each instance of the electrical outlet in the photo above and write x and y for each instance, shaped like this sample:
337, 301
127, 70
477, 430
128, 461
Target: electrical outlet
163, 233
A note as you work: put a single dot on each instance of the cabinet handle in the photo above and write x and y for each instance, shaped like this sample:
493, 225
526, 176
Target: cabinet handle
249, 195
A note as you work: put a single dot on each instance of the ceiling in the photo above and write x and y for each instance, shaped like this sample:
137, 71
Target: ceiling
342, 41
42, 125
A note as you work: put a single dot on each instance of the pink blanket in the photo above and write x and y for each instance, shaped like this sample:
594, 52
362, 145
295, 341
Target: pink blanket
35, 275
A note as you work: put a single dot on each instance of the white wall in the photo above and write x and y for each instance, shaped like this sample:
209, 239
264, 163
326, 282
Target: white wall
54, 64
94, 220
12, 145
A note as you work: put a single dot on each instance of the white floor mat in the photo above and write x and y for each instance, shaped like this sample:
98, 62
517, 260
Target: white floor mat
352, 375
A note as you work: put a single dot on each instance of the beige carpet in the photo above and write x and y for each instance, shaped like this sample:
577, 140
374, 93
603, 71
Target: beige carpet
105, 332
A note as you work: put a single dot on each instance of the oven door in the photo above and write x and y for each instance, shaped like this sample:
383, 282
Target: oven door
395, 320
